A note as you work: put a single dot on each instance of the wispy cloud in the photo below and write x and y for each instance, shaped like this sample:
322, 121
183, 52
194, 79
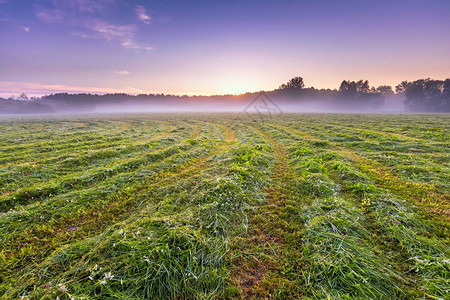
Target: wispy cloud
121, 72
90, 6
79, 14
142, 14
83, 35
27, 29
50, 15
8, 88
131, 44
123, 33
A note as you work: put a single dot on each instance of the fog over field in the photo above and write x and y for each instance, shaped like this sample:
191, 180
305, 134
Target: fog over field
230, 106
423, 95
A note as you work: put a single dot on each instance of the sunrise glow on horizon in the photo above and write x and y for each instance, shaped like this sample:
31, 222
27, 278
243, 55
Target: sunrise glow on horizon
210, 48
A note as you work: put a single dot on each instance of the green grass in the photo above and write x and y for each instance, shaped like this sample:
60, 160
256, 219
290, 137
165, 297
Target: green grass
225, 206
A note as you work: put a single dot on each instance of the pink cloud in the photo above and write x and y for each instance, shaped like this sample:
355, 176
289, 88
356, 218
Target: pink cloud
9, 88
142, 14
125, 34
121, 72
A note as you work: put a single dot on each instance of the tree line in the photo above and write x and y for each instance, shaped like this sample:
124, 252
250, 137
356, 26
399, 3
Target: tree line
423, 95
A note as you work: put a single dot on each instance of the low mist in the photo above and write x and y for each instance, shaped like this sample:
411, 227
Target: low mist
424, 95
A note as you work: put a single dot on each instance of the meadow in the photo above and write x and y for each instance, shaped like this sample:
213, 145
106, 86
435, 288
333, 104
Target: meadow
311, 206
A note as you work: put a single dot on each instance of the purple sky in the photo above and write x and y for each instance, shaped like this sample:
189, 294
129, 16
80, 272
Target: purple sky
217, 47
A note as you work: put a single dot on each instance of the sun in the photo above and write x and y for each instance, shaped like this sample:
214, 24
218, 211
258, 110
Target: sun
237, 87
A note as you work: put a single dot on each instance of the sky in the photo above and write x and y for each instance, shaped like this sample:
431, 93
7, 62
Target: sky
217, 47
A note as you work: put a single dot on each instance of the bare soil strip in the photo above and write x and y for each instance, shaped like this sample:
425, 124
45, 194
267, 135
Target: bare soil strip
257, 272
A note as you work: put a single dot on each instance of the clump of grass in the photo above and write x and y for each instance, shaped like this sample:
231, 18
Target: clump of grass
150, 259
224, 205
342, 262
427, 256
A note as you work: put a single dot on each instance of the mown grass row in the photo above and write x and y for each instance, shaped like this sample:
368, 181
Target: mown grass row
174, 246
415, 160
422, 127
408, 159
82, 164
62, 142
432, 197
22, 225
27, 140
360, 241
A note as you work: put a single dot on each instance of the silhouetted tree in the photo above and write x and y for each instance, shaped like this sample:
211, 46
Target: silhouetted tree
401, 87
427, 95
354, 88
359, 94
294, 83
384, 90
23, 97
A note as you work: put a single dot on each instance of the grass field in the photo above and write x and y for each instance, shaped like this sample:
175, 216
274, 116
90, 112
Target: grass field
225, 206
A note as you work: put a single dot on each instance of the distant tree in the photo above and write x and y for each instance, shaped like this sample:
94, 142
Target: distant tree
294, 83
363, 86
384, 90
446, 91
348, 88
359, 94
73, 102
23, 97
354, 88
427, 95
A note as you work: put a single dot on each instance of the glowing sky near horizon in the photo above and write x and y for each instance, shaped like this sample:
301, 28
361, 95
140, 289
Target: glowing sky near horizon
217, 47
